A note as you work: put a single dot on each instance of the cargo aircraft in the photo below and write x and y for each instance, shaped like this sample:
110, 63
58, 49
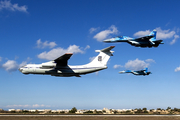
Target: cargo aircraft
146, 41
60, 68
140, 72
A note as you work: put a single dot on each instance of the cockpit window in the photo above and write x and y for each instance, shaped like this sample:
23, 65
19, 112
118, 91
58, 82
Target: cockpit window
24, 66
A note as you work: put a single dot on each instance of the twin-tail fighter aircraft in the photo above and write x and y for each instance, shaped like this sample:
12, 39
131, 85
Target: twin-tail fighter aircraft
146, 41
60, 68
140, 72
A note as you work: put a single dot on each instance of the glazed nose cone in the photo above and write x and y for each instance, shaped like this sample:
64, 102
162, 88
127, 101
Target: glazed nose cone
20, 69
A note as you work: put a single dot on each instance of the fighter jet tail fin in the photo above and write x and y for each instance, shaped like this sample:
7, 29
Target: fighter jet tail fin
103, 57
146, 69
153, 33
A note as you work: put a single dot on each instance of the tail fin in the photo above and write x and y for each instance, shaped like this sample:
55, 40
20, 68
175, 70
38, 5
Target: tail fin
153, 33
146, 69
103, 57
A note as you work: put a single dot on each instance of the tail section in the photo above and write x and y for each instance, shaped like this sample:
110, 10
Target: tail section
103, 57
153, 33
146, 69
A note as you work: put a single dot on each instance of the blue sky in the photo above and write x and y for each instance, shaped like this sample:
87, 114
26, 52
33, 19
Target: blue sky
34, 31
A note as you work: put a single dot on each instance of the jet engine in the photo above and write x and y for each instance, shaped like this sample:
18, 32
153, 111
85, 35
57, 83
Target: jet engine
48, 65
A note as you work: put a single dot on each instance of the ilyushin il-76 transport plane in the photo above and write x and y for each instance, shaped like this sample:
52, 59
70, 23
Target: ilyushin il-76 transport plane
140, 72
60, 68
146, 41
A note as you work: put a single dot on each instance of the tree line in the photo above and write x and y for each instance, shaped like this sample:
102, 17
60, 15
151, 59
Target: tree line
74, 110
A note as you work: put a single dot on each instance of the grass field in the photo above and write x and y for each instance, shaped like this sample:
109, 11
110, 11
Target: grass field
89, 117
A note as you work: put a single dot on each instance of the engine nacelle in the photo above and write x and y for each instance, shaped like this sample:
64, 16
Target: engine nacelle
49, 65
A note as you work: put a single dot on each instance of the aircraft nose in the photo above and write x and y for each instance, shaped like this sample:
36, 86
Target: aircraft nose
108, 40
20, 69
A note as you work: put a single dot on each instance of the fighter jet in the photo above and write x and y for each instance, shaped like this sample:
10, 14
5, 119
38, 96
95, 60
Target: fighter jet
60, 68
140, 72
146, 41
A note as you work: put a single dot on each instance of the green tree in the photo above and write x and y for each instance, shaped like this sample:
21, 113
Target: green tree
103, 111
138, 110
62, 112
168, 108
97, 112
176, 109
128, 111
145, 109
115, 111
73, 110
88, 111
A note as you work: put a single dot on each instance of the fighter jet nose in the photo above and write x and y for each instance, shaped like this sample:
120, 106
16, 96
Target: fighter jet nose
108, 40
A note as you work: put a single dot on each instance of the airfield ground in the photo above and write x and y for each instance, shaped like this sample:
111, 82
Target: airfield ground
89, 117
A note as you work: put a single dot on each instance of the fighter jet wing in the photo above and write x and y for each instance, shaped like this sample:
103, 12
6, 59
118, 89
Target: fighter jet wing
62, 60
145, 38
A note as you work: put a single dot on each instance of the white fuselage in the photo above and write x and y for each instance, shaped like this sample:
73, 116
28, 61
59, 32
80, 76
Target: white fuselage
60, 71
59, 66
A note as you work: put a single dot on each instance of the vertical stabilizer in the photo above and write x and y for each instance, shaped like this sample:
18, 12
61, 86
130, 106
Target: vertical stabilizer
153, 33
146, 69
103, 57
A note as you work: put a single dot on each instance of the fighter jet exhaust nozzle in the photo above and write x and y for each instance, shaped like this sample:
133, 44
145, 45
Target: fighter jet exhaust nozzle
149, 73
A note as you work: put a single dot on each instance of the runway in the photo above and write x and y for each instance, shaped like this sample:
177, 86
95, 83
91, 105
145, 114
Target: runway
91, 115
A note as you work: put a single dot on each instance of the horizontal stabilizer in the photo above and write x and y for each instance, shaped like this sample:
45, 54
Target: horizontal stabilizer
106, 50
159, 41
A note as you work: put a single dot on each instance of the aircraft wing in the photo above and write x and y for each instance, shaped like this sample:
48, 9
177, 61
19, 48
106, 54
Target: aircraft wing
145, 38
62, 60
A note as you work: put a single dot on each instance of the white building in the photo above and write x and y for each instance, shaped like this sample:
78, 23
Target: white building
11, 110
33, 110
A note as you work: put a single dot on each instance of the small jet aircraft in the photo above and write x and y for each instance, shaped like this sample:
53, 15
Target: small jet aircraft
60, 68
140, 72
146, 41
